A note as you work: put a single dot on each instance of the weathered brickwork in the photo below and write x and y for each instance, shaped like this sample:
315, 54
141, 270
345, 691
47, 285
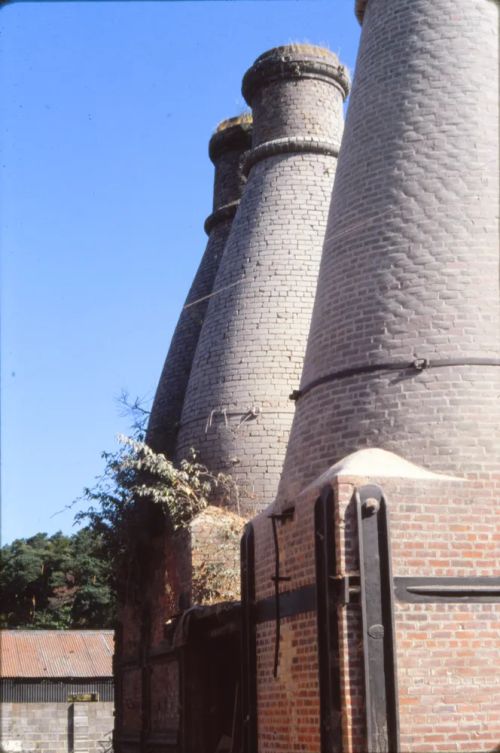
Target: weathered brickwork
165, 695
449, 689
410, 265
215, 558
131, 701
251, 347
131, 617
288, 705
230, 141
170, 577
199, 565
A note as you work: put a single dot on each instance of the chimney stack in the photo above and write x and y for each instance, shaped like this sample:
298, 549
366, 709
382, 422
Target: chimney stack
403, 352
227, 145
237, 414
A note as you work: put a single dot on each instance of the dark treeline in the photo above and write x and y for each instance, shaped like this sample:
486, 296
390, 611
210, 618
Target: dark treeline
56, 582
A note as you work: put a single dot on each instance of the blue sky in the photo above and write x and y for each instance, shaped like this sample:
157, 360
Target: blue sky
106, 113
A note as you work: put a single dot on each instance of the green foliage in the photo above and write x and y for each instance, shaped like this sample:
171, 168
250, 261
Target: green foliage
56, 582
138, 491
72, 582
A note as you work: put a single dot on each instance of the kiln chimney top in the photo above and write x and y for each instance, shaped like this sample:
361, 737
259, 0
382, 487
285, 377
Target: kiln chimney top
295, 61
230, 134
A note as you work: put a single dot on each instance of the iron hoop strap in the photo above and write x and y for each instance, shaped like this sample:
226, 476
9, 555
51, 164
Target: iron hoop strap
223, 213
417, 365
287, 145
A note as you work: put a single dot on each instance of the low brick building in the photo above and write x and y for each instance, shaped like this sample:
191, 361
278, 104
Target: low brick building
371, 614
57, 691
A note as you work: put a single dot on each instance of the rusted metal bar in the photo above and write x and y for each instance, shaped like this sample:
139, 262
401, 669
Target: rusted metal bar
377, 614
455, 590
278, 578
248, 642
328, 629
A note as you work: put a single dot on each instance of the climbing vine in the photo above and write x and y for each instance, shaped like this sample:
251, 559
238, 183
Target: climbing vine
137, 485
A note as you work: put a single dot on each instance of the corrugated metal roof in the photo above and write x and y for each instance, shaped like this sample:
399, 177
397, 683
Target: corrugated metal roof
56, 653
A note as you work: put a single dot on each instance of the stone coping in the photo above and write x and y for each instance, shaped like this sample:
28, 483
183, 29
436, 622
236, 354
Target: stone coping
295, 61
233, 134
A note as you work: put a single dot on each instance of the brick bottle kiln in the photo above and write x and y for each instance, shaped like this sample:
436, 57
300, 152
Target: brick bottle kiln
352, 643
226, 148
250, 335
251, 347
143, 618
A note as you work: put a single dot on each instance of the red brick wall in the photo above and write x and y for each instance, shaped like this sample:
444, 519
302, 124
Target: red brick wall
164, 695
168, 579
208, 550
130, 619
215, 556
287, 706
447, 653
131, 701
449, 682
449, 689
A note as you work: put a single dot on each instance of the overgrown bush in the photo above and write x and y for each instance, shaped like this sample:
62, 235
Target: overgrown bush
138, 486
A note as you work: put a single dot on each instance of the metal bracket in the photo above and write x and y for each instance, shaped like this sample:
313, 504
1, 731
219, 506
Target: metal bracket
283, 516
331, 591
418, 364
479, 590
342, 589
278, 578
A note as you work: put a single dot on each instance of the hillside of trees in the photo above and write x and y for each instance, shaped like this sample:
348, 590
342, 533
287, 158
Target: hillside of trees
56, 582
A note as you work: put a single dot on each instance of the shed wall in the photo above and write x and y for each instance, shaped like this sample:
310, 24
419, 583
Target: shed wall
57, 727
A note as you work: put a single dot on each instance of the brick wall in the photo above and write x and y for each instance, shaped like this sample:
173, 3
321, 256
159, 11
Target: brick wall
131, 700
237, 413
199, 565
446, 652
165, 696
130, 618
288, 706
215, 562
449, 687
56, 727
410, 264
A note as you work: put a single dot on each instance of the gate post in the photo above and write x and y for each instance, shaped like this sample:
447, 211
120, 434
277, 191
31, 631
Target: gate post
377, 617
328, 630
248, 642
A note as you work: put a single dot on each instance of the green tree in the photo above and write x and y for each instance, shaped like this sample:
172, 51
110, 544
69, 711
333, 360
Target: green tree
139, 492
72, 581
56, 582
